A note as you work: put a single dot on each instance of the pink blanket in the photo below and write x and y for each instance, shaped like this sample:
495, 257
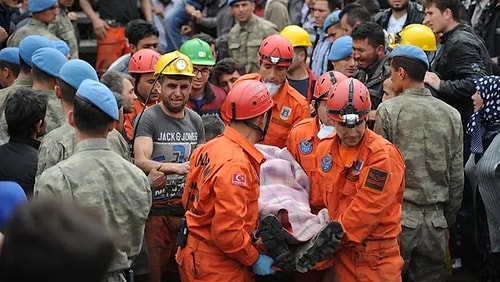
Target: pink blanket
285, 186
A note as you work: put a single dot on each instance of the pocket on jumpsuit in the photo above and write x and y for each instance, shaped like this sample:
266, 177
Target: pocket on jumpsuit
189, 260
409, 222
374, 265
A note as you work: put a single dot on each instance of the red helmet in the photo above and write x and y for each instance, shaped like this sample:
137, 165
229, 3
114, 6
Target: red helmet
348, 102
277, 50
143, 61
325, 82
247, 99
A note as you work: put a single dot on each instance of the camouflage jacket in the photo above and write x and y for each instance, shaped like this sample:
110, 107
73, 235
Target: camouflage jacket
63, 28
33, 27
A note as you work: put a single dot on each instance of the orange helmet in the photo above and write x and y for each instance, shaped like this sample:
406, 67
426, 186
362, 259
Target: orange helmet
325, 82
247, 99
348, 102
277, 50
143, 61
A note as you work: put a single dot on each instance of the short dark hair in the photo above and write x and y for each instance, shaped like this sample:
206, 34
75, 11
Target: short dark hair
205, 37
298, 49
114, 80
371, 31
213, 125
226, 66
415, 69
371, 5
12, 67
43, 242
40, 75
23, 66
455, 7
23, 110
88, 118
355, 12
68, 92
138, 29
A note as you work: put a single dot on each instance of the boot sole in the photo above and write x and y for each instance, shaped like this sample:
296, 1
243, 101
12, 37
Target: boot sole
273, 238
325, 243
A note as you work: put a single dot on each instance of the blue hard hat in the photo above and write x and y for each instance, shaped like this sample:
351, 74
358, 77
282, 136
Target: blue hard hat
35, 6
100, 96
10, 55
411, 52
30, 44
49, 60
341, 48
74, 71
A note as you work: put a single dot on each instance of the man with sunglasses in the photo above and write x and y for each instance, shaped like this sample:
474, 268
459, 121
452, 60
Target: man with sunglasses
205, 98
363, 183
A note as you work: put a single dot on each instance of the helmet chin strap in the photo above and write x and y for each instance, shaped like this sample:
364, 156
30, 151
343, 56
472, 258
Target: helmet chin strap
263, 131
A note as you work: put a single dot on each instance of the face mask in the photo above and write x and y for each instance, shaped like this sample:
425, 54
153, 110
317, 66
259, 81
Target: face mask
272, 88
325, 130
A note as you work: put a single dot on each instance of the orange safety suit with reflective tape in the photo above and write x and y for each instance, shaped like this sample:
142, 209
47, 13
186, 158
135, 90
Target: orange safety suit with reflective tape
363, 189
221, 199
289, 108
302, 144
130, 118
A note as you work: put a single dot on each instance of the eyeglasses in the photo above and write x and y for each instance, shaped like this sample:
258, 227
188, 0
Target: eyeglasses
203, 72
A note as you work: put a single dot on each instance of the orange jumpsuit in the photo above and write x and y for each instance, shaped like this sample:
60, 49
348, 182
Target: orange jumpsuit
363, 189
130, 117
222, 212
302, 144
289, 108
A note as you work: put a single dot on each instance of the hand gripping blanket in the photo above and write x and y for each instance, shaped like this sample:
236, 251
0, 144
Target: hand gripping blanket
284, 187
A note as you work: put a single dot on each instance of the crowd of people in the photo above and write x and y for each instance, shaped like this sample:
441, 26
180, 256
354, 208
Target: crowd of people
250, 140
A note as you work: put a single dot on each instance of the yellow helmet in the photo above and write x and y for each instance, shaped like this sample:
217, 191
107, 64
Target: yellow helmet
174, 63
296, 35
414, 34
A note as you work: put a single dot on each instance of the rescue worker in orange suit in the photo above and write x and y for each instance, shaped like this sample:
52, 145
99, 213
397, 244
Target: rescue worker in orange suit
275, 56
221, 194
362, 177
302, 144
142, 68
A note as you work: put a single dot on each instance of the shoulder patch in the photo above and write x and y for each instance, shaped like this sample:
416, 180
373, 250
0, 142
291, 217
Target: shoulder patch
326, 163
376, 179
285, 113
239, 179
305, 147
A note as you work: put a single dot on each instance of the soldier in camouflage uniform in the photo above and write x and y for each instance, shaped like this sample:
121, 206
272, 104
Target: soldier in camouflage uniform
247, 34
47, 62
60, 143
43, 12
429, 134
96, 177
63, 28
25, 79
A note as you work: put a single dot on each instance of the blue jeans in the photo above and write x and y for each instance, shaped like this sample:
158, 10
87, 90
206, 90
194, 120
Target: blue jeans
174, 19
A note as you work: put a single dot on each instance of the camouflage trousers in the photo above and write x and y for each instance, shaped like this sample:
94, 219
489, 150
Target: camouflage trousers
422, 243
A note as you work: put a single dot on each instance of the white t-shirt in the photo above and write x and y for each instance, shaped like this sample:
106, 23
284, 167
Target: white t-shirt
396, 25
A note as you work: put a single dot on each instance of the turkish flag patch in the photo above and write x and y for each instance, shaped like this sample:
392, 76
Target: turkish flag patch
376, 179
239, 179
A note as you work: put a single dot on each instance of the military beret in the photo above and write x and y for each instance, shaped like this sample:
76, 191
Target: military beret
231, 2
35, 6
341, 48
62, 47
100, 96
50, 60
74, 71
10, 55
30, 44
331, 19
411, 52
11, 197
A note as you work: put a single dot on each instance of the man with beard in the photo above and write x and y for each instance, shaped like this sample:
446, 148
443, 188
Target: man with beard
275, 56
63, 28
368, 44
142, 68
167, 134
205, 98
247, 34
401, 14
